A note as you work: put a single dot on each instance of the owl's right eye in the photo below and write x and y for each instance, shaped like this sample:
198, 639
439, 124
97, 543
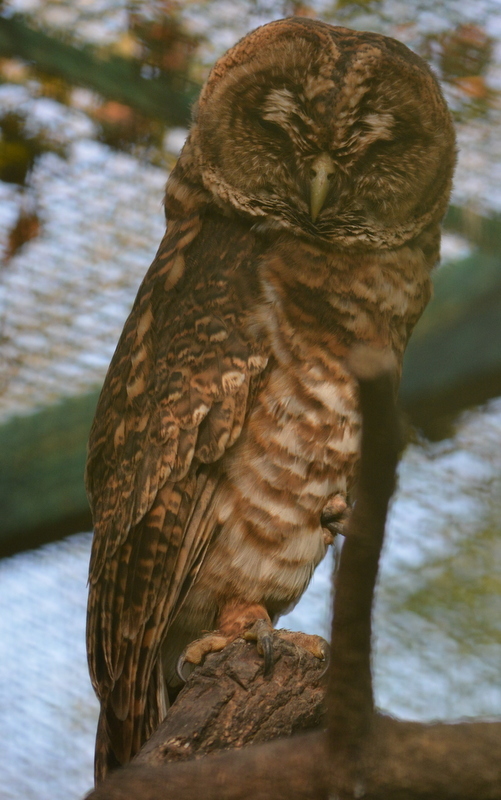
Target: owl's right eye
269, 126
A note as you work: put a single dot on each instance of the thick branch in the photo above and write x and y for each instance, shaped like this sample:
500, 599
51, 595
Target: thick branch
403, 760
228, 703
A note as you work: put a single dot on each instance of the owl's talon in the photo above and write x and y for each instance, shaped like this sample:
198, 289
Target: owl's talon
326, 657
267, 648
262, 633
327, 665
179, 668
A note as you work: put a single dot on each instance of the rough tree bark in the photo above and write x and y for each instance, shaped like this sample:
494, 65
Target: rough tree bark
228, 702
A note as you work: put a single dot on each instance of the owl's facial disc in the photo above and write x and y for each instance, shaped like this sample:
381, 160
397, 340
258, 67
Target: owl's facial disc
321, 173
336, 135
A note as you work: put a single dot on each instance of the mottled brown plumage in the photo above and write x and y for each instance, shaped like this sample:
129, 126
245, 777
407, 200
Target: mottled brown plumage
303, 218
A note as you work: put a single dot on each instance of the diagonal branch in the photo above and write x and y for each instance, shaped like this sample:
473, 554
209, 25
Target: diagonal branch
117, 78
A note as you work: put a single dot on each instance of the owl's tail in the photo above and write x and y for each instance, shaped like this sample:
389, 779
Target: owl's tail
119, 739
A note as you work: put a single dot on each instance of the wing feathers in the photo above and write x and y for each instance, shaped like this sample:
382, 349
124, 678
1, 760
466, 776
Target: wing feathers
175, 398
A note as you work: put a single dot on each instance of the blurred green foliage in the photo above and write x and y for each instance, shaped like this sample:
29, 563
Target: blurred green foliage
20, 148
464, 587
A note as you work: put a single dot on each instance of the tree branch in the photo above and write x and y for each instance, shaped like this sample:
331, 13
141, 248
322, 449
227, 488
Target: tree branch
116, 78
404, 761
228, 703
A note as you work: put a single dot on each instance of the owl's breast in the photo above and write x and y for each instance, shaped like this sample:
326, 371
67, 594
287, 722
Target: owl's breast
300, 441
299, 446
302, 437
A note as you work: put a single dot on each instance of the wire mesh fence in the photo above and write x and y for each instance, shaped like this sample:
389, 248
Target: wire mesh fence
63, 301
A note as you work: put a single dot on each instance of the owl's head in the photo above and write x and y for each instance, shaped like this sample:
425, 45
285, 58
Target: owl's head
329, 133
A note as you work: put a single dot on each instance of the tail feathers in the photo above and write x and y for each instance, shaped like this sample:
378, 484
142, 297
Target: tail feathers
118, 740
105, 759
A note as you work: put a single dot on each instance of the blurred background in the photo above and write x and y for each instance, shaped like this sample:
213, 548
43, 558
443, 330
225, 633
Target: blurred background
95, 99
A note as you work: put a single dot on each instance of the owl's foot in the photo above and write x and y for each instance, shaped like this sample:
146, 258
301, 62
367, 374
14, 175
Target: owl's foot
262, 633
196, 651
310, 642
235, 620
334, 517
252, 623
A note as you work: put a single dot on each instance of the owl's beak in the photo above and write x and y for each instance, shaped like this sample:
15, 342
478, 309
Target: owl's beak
321, 171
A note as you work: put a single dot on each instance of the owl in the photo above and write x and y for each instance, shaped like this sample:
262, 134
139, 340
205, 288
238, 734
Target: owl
303, 219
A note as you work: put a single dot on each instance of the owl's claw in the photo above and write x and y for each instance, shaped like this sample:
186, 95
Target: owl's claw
252, 623
327, 664
266, 646
262, 633
179, 668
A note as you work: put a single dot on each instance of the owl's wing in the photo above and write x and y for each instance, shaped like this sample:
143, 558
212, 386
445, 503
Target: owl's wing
175, 398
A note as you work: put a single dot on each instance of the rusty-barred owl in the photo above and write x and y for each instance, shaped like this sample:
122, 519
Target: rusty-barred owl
303, 218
